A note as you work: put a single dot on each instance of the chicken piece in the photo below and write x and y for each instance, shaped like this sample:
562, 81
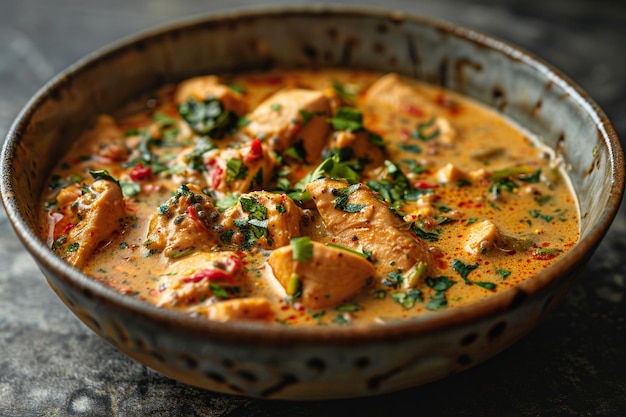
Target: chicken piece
481, 237
203, 87
262, 218
450, 173
255, 308
423, 207
239, 170
359, 147
105, 141
293, 117
184, 224
201, 278
437, 129
391, 91
355, 218
90, 215
329, 277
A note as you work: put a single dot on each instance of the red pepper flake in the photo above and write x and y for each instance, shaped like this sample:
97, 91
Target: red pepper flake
211, 275
234, 263
68, 227
445, 101
405, 134
411, 109
256, 151
423, 185
216, 173
139, 172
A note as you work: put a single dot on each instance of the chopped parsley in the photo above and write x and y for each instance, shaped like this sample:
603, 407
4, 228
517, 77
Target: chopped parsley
463, 270
504, 273
208, 117
130, 189
347, 118
487, 285
441, 283
536, 214
308, 115
72, 247
343, 194
195, 158
427, 130
226, 202
103, 174
235, 170
423, 234
345, 92
438, 301
407, 299
409, 147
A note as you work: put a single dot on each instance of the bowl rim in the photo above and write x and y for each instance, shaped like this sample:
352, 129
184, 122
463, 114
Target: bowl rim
271, 334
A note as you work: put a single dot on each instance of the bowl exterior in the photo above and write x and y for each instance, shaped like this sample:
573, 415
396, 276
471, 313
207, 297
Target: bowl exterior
257, 361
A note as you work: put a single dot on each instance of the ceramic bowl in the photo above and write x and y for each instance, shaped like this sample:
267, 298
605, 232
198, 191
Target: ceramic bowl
267, 361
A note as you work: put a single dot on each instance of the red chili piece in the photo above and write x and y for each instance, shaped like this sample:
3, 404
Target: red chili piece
191, 211
256, 151
211, 275
423, 185
411, 109
139, 172
217, 173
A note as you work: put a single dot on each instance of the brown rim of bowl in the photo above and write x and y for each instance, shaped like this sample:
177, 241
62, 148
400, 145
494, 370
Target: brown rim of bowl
263, 333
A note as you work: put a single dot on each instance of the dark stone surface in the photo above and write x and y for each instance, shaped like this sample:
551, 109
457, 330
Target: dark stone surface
572, 364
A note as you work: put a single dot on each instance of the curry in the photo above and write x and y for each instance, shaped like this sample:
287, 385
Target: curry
308, 197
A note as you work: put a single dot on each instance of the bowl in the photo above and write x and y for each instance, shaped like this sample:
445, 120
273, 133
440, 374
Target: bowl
275, 362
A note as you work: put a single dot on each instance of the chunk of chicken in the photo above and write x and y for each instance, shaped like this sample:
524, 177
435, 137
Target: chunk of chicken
203, 87
201, 278
391, 91
481, 237
359, 146
292, 117
90, 215
105, 141
255, 308
450, 173
358, 220
329, 277
239, 170
184, 224
262, 218
442, 130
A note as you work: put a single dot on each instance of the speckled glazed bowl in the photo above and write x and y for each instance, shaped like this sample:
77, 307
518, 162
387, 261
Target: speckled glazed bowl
268, 361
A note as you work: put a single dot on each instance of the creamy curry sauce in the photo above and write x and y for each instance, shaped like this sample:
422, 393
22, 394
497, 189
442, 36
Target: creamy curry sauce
307, 198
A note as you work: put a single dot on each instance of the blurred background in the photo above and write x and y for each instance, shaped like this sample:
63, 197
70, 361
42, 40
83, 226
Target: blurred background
573, 364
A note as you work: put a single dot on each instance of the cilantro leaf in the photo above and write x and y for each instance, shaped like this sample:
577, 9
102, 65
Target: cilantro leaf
103, 174
208, 117
347, 118
463, 270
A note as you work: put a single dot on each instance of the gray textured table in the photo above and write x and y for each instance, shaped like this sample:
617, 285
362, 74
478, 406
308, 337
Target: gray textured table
573, 364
